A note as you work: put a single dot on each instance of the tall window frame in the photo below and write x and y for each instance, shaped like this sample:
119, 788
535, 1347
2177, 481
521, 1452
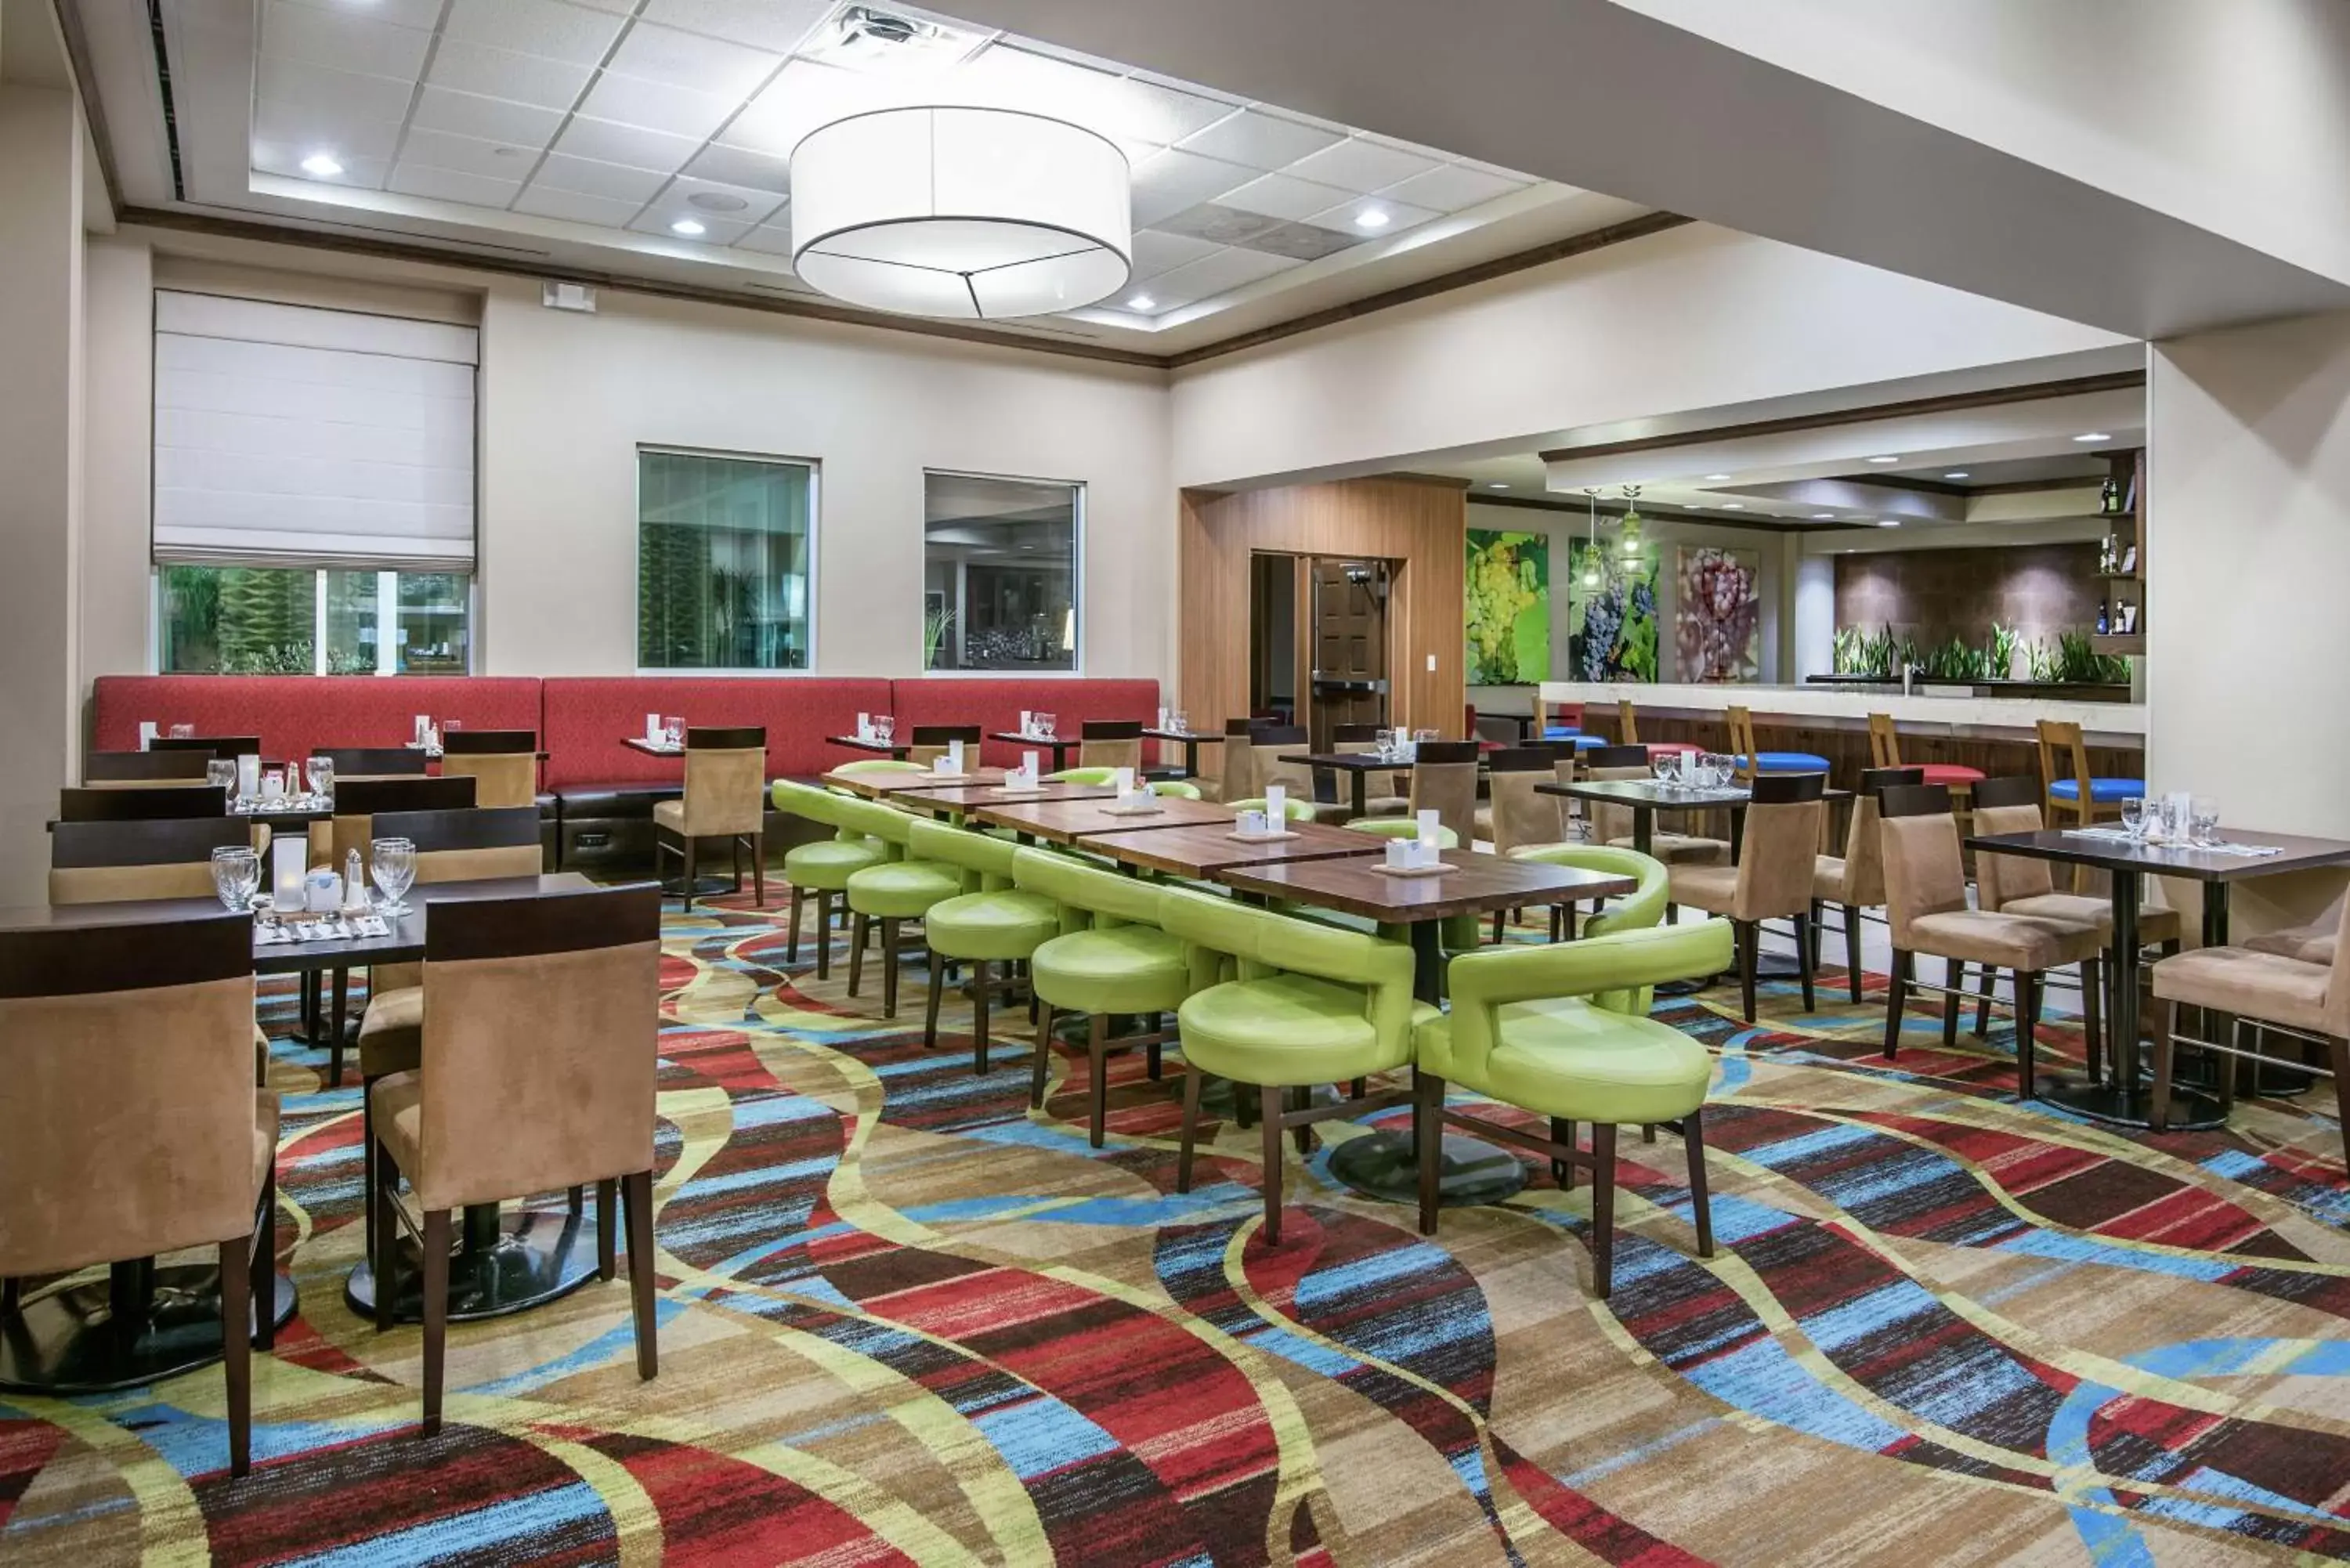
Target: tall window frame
948, 652
811, 549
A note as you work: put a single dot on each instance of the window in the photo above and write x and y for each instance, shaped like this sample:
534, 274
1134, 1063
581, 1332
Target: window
724, 552
308, 620
999, 573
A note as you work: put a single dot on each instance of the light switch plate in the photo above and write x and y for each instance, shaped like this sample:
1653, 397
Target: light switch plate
1431, 664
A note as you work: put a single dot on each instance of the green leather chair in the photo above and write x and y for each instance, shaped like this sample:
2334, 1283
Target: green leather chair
1553, 1030
897, 890
1401, 827
1292, 808
1287, 1005
1641, 908
823, 867
868, 766
1083, 775
1110, 959
1180, 789
995, 924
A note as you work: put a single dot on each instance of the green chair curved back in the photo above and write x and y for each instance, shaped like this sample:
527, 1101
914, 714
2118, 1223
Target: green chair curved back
1251, 943
1083, 776
892, 827
1402, 827
879, 765
1179, 788
1606, 969
1106, 896
986, 861
806, 800
1642, 908
1294, 809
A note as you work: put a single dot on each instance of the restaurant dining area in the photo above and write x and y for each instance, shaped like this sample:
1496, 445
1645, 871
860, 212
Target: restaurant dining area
808, 782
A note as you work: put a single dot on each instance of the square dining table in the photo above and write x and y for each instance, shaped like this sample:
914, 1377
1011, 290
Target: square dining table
873, 786
959, 800
1358, 767
1059, 745
2124, 1101
1200, 850
1067, 821
1190, 741
864, 743
1646, 799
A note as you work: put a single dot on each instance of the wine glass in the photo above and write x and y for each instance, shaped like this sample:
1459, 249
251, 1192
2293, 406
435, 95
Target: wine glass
1044, 723
2203, 816
1180, 722
322, 777
394, 869
183, 732
673, 731
237, 875
1665, 766
2134, 816
885, 728
222, 772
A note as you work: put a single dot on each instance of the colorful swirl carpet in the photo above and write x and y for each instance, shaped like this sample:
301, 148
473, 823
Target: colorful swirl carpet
905, 1319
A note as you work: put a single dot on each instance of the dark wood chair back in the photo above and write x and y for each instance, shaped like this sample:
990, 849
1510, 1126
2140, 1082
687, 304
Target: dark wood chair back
135, 804
375, 762
1904, 800
487, 742
374, 797
1992, 794
1616, 757
1874, 779
1786, 789
231, 746
142, 767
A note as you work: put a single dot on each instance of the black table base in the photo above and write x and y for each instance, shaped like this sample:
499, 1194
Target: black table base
1470, 1171
2132, 1106
67, 1342
503, 1265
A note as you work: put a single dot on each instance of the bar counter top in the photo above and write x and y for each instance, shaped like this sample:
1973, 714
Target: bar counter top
1924, 714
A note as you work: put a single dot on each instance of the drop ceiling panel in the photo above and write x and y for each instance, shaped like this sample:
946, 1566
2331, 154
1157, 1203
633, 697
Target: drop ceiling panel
1347, 217
343, 41
613, 181
545, 200
1282, 197
576, 33
1156, 251
421, 13
413, 179
1218, 273
768, 239
502, 73
495, 119
467, 155
657, 106
330, 96
630, 146
1175, 180
708, 199
1262, 140
732, 71
1362, 165
1452, 187
739, 166
776, 25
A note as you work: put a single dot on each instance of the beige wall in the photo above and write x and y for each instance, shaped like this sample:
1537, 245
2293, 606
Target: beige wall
2248, 555
117, 283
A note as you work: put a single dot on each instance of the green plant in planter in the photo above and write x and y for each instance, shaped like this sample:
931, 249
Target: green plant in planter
936, 624
2001, 651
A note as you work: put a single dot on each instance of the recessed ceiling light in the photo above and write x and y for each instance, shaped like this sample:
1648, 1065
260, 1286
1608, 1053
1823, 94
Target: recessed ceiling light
716, 201
1884, 460
1715, 478
1734, 506
1955, 473
1496, 484
1889, 522
325, 165
2087, 438
687, 227
1373, 218
1141, 302
1822, 516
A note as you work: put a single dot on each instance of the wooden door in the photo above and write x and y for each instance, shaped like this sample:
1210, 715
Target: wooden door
1350, 645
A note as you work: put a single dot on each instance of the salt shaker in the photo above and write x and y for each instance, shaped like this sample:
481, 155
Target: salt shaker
354, 879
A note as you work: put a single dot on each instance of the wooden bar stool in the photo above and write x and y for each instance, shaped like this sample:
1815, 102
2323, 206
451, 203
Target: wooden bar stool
1885, 752
1753, 762
1628, 722
2071, 790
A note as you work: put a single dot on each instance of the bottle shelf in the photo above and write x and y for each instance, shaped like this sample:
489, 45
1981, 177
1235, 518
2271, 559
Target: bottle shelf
2130, 642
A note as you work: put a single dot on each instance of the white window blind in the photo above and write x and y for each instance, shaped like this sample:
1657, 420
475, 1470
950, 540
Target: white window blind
298, 435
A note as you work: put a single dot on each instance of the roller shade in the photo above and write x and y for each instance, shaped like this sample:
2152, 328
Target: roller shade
292, 434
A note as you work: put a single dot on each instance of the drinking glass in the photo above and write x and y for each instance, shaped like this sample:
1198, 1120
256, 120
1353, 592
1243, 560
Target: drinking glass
1667, 767
237, 875
885, 728
451, 726
1180, 722
2203, 813
183, 732
2134, 816
1045, 723
222, 770
394, 868
673, 731
322, 777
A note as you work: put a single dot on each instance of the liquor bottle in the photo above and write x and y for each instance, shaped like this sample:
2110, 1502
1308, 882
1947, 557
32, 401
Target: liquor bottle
2105, 557
2109, 497
2102, 623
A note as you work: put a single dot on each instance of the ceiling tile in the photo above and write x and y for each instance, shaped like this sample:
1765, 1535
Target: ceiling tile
590, 178
547, 27
340, 98
491, 118
344, 134
698, 196
1217, 224
1302, 241
342, 40
1361, 164
803, 96
1401, 215
502, 73
776, 24
545, 201
715, 230
421, 13
739, 166
1451, 187
1261, 140
689, 60
1218, 273
625, 144
657, 106
1149, 112
771, 239
452, 185
286, 158
1280, 196
1155, 251
1015, 78
467, 155
1174, 179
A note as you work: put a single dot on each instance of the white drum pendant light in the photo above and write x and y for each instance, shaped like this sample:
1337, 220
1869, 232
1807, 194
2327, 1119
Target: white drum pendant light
972, 213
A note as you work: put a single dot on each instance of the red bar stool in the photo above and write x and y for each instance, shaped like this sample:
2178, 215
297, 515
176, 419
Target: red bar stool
1885, 752
1631, 735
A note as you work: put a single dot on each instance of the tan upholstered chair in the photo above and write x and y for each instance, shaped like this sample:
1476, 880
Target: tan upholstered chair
1926, 905
1612, 824
116, 862
725, 797
147, 769
147, 802
928, 742
374, 762
229, 746
131, 1122
1110, 743
502, 765
1773, 879
1235, 763
357, 801
1268, 744
1521, 816
1855, 880
1379, 798
2295, 983
540, 1023
1444, 781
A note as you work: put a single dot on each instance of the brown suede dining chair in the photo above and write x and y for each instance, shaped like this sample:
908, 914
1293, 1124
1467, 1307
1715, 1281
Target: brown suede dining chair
1520, 816
227, 746
1268, 744
1926, 905
1855, 880
141, 803
502, 765
1110, 743
1236, 762
1612, 824
930, 742
540, 1049
131, 1122
356, 763
1444, 781
1379, 798
725, 797
103, 770
357, 802
116, 862
1773, 879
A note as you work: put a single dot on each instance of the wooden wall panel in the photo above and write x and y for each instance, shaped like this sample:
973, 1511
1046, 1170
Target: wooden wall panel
1419, 524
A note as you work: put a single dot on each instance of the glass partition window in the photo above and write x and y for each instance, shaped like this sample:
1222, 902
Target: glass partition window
725, 550
310, 620
999, 573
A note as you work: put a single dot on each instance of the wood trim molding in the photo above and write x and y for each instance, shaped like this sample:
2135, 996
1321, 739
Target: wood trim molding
1611, 511
1950, 402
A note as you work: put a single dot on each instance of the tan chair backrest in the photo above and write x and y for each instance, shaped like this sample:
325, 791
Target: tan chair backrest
500, 778
1628, 722
1776, 858
1522, 815
1864, 846
1444, 781
725, 782
1884, 742
2063, 754
1610, 822
2001, 879
1923, 872
1266, 767
1741, 740
1236, 763
121, 862
1109, 744
541, 1017
128, 1121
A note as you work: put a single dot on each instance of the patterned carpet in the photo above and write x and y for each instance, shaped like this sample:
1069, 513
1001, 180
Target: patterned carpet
905, 1320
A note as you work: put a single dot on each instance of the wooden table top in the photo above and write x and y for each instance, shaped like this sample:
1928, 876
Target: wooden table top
1354, 762
1647, 794
1475, 883
872, 786
652, 748
1017, 739
972, 796
1203, 849
1066, 821
2296, 853
1200, 736
881, 748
